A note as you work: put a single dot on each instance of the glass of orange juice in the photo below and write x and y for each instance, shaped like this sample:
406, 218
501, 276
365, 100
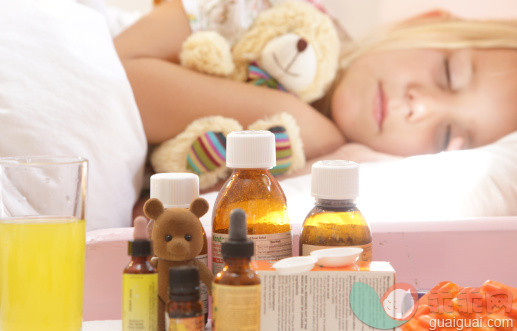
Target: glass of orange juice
42, 243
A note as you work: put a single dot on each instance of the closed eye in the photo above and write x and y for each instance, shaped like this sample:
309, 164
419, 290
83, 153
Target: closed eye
447, 139
447, 69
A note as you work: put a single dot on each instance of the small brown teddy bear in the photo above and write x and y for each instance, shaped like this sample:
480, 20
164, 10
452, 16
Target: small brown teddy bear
177, 237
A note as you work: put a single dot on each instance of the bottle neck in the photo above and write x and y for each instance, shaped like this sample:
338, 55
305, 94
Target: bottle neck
185, 297
237, 263
240, 171
328, 203
139, 259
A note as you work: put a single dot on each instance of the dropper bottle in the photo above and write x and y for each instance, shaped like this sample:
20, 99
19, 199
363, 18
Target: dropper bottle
335, 221
178, 190
236, 289
184, 309
139, 283
252, 188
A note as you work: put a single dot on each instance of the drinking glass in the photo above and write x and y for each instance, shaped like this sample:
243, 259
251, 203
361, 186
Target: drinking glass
42, 243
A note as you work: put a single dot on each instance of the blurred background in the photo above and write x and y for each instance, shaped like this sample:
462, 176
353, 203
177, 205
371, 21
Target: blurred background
360, 16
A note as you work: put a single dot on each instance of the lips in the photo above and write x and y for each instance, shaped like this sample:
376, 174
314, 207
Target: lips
379, 107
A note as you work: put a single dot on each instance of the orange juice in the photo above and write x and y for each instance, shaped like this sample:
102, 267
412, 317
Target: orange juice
41, 274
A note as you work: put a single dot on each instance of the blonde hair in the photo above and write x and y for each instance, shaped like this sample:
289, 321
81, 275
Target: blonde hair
440, 32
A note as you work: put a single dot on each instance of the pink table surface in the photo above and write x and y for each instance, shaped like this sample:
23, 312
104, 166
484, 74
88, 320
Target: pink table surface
467, 252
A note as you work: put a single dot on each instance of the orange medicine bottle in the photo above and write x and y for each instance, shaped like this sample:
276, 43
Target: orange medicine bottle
335, 220
184, 309
236, 288
252, 188
178, 190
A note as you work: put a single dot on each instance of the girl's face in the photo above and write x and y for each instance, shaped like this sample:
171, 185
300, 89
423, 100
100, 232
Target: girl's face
411, 102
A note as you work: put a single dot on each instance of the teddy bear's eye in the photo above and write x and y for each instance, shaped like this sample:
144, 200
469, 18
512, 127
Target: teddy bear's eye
168, 237
188, 237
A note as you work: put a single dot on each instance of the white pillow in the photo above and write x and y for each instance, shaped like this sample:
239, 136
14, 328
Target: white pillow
63, 91
450, 185
447, 186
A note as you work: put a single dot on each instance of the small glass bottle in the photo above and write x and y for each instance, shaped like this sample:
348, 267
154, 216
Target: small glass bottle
184, 309
252, 188
178, 190
236, 289
139, 283
335, 220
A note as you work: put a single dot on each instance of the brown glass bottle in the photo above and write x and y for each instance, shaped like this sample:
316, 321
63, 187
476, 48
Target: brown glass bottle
184, 308
335, 220
252, 188
335, 223
237, 271
139, 289
236, 289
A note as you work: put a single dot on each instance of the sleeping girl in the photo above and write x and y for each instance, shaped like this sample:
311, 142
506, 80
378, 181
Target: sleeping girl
431, 84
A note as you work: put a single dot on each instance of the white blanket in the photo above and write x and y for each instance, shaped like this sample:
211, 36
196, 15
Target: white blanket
63, 91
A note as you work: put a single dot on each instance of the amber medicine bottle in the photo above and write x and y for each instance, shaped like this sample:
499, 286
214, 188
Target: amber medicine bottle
335, 220
139, 284
184, 308
252, 188
236, 288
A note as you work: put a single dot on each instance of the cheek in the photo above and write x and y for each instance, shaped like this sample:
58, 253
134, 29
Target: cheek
197, 243
495, 115
344, 106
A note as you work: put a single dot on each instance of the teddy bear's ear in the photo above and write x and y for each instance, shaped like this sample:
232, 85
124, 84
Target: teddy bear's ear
199, 207
153, 208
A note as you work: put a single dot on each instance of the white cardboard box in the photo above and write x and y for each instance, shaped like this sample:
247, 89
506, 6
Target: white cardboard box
319, 299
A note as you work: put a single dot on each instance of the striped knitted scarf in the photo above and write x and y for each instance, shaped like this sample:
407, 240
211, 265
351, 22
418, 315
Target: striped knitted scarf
260, 77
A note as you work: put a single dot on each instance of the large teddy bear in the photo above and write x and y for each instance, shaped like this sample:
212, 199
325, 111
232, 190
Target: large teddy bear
293, 47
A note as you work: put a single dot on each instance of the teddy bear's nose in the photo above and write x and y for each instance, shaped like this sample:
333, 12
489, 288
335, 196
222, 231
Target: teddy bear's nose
301, 45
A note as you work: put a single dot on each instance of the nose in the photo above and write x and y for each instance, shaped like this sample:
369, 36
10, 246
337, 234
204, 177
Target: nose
301, 45
178, 246
424, 104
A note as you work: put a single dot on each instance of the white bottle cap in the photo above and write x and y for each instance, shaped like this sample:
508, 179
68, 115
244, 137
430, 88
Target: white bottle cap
175, 190
250, 150
335, 180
